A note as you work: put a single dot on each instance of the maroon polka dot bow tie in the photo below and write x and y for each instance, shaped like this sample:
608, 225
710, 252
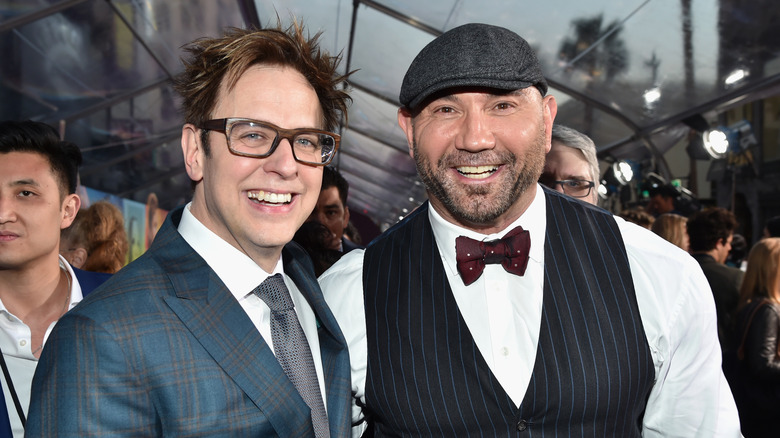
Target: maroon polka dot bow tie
511, 252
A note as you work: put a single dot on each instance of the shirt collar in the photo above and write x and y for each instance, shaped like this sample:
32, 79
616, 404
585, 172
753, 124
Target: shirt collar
534, 219
240, 273
76, 295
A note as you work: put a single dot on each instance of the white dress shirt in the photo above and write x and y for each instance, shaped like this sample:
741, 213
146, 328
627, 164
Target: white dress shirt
242, 275
18, 352
690, 397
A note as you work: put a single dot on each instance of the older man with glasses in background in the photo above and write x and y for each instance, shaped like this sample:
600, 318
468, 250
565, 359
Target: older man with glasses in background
571, 166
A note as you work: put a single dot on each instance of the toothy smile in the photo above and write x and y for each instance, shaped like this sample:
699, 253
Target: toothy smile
270, 198
477, 172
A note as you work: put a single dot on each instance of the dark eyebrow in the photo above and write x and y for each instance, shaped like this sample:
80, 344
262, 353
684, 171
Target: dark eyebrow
26, 182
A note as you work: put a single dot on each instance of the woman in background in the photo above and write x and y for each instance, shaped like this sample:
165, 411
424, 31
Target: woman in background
97, 240
756, 373
671, 227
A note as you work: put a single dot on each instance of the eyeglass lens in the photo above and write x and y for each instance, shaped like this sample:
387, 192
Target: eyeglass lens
252, 138
575, 187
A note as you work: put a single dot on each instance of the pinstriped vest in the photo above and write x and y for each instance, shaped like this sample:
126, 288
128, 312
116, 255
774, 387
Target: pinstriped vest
426, 377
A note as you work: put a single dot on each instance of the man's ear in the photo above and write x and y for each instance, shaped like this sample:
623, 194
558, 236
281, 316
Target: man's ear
70, 208
405, 122
550, 110
192, 149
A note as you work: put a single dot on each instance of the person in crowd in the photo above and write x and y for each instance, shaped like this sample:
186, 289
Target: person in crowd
737, 257
500, 306
331, 209
317, 240
38, 178
663, 200
571, 166
710, 232
756, 384
639, 216
220, 328
772, 228
672, 227
96, 240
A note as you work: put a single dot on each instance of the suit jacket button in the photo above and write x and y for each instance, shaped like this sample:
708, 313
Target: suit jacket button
522, 425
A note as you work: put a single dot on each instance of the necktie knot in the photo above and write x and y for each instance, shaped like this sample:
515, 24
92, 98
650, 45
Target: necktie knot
274, 293
511, 251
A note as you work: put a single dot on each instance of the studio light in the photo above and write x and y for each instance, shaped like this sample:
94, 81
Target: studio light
623, 172
716, 143
618, 175
735, 138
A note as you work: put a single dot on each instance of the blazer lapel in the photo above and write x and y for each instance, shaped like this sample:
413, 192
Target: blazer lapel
214, 317
333, 347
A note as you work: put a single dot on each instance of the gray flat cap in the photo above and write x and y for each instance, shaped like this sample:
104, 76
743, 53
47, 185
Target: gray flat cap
472, 55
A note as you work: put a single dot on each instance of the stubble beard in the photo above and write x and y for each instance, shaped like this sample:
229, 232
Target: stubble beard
481, 204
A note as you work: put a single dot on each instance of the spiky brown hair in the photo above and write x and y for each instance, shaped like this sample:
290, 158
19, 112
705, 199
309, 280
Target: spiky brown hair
213, 61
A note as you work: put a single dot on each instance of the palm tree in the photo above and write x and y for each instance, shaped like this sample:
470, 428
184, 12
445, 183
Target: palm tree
597, 51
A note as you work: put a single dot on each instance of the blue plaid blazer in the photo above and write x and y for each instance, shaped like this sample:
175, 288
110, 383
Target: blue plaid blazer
164, 349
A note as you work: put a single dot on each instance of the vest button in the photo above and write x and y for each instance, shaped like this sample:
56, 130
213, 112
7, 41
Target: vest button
522, 425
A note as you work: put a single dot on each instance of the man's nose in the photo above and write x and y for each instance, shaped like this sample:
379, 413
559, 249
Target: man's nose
282, 160
476, 133
6, 210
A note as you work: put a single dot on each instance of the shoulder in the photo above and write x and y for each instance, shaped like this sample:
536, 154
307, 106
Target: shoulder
414, 222
349, 265
88, 281
731, 271
342, 287
344, 278
769, 310
670, 285
719, 274
348, 245
653, 253
143, 280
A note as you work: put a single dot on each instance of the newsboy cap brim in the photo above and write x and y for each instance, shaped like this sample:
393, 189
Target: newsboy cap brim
472, 55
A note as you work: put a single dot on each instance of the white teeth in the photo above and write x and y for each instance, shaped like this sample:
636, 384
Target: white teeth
271, 198
477, 172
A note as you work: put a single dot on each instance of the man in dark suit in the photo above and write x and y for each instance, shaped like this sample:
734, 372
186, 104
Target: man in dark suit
332, 210
710, 233
38, 178
220, 328
502, 308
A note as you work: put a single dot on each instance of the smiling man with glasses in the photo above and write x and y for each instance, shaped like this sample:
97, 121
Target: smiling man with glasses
220, 329
571, 166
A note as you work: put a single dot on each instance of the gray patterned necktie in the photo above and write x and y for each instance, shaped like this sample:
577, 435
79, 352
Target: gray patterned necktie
292, 349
